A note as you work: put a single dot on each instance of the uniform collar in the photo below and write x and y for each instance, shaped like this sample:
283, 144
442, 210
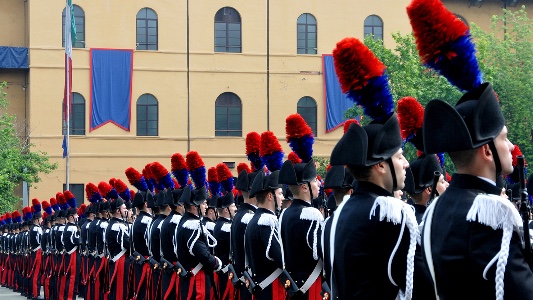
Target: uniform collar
465, 181
365, 187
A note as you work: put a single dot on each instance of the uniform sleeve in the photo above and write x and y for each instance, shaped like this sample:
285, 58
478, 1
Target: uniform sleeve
270, 237
202, 253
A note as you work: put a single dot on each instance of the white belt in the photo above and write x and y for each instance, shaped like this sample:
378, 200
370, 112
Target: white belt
311, 279
267, 281
197, 269
116, 257
225, 269
36, 249
73, 249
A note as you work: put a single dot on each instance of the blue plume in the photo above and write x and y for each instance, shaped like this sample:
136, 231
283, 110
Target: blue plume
461, 70
375, 98
227, 185
255, 159
198, 177
441, 160
303, 147
141, 185
182, 176
273, 161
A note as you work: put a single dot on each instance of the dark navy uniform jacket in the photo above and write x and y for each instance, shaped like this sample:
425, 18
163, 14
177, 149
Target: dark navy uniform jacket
168, 229
140, 233
222, 235
117, 238
155, 235
462, 249
363, 247
70, 237
238, 228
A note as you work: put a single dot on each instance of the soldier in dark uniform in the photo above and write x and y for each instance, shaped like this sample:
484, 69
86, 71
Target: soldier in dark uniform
373, 234
48, 257
155, 244
339, 179
211, 215
238, 228
264, 254
118, 244
222, 232
71, 262
170, 279
35, 238
92, 232
140, 238
84, 250
58, 246
101, 266
193, 247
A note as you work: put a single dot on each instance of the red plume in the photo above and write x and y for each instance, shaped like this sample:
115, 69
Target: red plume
253, 142
194, 161
176, 183
90, 189
178, 162
68, 195
348, 123
410, 116
243, 166
158, 170
328, 167
120, 186
515, 153
269, 143
35, 201
294, 158
112, 181
104, 188
212, 174
147, 171
133, 175
53, 202
132, 193
355, 64
60, 198
223, 172
296, 127
45, 204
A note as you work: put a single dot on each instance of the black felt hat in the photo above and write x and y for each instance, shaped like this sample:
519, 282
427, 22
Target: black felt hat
176, 196
475, 120
213, 202
264, 182
226, 200
338, 177
368, 145
245, 180
420, 174
295, 174
193, 197
169, 198
116, 204
161, 198
141, 197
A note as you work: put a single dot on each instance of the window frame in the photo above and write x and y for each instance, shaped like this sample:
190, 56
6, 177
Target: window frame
77, 116
306, 49
304, 109
373, 27
147, 129
225, 34
227, 130
80, 27
146, 45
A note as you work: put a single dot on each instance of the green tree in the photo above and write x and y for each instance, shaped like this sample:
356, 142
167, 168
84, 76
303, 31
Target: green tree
17, 162
505, 54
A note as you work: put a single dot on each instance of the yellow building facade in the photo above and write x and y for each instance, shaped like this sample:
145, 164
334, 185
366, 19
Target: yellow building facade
187, 73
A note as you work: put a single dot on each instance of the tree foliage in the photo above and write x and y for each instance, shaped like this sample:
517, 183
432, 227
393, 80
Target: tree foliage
17, 160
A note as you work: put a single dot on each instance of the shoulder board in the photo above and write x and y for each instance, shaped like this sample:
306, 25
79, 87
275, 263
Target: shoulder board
268, 220
226, 227
210, 226
494, 211
103, 225
191, 224
392, 209
61, 228
88, 225
118, 227
73, 229
247, 217
311, 214
146, 220
175, 219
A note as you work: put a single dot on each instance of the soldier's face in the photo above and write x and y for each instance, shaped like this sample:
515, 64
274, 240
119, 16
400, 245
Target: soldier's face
442, 185
400, 165
504, 148
279, 196
203, 207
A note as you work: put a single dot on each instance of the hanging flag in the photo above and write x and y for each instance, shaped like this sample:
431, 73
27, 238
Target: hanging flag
111, 79
64, 146
336, 101
70, 38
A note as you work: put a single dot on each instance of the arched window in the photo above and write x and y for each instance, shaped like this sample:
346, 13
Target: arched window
227, 30
228, 115
147, 116
306, 107
146, 29
79, 18
77, 116
374, 26
462, 19
306, 31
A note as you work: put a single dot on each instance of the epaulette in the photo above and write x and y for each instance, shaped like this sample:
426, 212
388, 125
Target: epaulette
146, 220
246, 218
117, 226
268, 220
72, 229
311, 214
175, 219
494, 211
226, 227
191, 224
391, 209
210, 225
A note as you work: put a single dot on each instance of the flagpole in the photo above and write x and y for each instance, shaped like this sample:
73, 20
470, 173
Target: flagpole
67, 167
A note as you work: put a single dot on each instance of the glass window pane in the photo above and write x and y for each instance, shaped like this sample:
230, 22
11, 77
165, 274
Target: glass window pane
234, 41
220, 41
152, 23
220, 34
234, 26
234, 34
152, 39
311, 28
220, 26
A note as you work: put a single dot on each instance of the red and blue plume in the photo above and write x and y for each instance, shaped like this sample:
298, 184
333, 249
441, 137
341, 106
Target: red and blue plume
212, 180
294, 158
92, 193
132, 194
47, 208
54, 205
105, 189
514, 177
61, 201
26, 212
122, 189
179, 169
299, 136
7, 218
411, 118
362, 77
225, 177
243, 166
253, 149
150, 180
136, 179
112, 181
36, 205
81, 210
271, 152
71, 200
444, 43
349, 122
16, 217
196, 168
112, 194
162, 175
